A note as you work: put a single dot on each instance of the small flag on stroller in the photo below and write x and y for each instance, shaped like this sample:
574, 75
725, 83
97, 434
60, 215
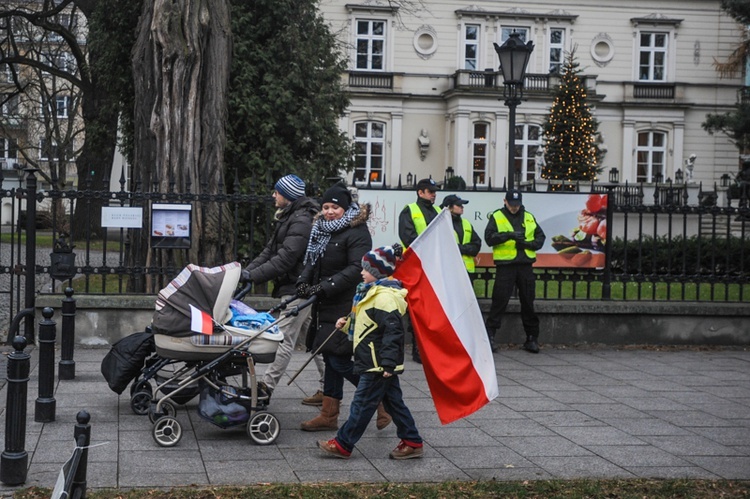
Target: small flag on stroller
200, 321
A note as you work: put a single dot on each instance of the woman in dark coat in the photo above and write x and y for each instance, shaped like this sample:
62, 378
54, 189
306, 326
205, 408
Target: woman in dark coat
338, 241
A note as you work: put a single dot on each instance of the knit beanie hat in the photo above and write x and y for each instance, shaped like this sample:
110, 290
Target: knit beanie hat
291, 187
381, 262
339, 195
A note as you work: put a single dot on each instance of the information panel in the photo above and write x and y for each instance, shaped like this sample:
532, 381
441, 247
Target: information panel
170, 226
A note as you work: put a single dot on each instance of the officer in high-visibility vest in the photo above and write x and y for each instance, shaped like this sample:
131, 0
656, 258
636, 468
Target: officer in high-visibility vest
415, 217
467, 238
514, 236
412, 221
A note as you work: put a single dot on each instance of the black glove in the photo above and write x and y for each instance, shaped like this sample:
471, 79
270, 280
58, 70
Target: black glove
316, 290
303, 290
503, 237
388, 369
245, 277
519, 237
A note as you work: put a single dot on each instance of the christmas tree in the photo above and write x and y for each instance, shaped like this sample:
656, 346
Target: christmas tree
570, 131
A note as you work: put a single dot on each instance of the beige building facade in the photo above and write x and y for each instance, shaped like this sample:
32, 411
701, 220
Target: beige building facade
427, 97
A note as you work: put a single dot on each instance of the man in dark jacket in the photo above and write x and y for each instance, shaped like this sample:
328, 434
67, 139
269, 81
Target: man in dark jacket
281, 262
415, 217
467, 238
413, 220
514, 236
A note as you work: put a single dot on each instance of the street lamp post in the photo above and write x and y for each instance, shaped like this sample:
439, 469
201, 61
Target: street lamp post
514, 57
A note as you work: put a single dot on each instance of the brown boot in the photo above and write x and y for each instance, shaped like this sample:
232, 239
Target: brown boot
383, 419
327, 420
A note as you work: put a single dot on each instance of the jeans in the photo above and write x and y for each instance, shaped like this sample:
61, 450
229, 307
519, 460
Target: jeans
371, 390
338, 368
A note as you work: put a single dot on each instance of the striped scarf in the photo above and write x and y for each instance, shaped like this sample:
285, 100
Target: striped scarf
321, 232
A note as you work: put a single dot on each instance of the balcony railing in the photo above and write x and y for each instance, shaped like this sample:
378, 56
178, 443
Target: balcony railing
362, 79
534, 83
653, 90
744, 95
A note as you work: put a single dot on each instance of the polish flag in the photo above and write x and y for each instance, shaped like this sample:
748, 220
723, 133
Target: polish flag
453, 342
200, 321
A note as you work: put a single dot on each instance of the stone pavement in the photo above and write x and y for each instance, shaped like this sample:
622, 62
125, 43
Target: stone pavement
565, 413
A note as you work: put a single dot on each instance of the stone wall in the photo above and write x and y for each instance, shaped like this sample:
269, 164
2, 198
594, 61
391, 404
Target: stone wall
102, 320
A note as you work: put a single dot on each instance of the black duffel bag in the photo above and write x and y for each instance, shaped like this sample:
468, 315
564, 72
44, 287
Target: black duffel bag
125, 360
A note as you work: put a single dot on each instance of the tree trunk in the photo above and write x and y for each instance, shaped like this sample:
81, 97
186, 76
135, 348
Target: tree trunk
181, 63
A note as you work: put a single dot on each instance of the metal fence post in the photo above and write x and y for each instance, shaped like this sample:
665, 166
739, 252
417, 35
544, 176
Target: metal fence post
607, 278
67, 366
14, 459
45, 404
82, 435
30, 264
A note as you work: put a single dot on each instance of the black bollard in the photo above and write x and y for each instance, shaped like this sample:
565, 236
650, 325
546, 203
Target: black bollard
14, 460
45, 403
66, 368
82, 435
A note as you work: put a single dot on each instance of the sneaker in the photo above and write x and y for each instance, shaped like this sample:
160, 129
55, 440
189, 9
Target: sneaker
333, 448
531, 345
405, 451
316, 399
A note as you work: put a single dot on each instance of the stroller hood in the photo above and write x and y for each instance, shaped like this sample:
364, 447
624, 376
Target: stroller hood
207, 289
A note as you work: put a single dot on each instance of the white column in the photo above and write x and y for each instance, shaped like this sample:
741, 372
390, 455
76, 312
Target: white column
460, 156
679, 145
397, 139
500, 149
628, 168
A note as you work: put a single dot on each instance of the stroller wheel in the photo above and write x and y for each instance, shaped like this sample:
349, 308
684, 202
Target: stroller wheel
167, 409
141, 386
140, 402
263, 428
167, 431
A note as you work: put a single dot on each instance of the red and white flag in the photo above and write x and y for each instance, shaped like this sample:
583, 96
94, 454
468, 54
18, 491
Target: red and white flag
453, 342
200, 321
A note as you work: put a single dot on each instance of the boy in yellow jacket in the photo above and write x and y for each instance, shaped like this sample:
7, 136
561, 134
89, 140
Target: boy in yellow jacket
375, 327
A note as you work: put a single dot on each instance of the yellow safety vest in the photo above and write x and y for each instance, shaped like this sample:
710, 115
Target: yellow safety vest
468, 259
508, 250
418, 218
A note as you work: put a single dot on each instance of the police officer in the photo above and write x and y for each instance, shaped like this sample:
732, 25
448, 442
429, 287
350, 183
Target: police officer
467, 238
514, 236
412, 221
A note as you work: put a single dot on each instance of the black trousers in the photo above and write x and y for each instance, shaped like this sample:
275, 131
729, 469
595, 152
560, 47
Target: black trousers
509, 276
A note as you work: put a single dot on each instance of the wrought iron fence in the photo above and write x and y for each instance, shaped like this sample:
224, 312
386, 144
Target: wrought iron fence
669, 245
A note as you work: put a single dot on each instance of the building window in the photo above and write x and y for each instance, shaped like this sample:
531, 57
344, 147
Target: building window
8, 104
471, 46
651, 153
556, 49
50, 151
652, 59
507, 30
8, 151
528, 140
370, 45
369, 155
62, 106
479, 153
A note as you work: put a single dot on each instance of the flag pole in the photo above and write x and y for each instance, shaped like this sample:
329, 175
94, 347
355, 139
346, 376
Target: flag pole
316, 352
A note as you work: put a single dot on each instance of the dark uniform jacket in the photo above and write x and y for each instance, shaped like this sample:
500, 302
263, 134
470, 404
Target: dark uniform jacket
281, 259
338, 272
406, 231
492, 237
474, 245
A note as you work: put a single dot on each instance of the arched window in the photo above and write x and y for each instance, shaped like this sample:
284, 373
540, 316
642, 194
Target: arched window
479, 153
651, 153
528, 140
369, 156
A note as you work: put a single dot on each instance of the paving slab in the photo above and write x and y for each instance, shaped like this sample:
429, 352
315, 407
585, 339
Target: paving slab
565, 413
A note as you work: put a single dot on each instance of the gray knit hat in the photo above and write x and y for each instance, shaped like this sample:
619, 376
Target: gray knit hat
291, 187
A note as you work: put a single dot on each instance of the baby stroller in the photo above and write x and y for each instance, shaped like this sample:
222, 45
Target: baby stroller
196, 323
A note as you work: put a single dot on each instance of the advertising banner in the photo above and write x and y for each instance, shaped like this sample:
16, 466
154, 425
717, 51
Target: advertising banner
575, 223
